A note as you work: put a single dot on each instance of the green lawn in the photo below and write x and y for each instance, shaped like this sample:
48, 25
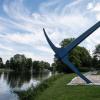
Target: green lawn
59, 90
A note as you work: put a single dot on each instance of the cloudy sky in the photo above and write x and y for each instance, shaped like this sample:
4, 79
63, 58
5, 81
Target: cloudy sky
22, 21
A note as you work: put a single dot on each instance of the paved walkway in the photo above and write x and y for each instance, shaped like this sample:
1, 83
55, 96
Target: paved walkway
95, 79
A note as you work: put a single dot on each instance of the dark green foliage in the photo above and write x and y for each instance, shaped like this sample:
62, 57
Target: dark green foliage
32, 92
36, 66
39, 66
28, 64
97, 50
20, 63
96, 57
1, 63
94, 61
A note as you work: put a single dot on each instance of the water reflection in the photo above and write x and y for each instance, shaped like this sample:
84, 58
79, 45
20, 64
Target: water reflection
10, 81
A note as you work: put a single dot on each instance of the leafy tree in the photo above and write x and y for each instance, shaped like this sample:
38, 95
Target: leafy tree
39, 66
28, 64
97, 52
44, 65
7, 64
36, 66
19, 63
94, 61
96, 57
1, 63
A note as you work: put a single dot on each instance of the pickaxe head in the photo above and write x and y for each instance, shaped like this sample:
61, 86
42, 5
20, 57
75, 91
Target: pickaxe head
59, 52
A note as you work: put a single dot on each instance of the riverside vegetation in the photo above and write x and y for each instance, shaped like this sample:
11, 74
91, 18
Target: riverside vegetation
55, 88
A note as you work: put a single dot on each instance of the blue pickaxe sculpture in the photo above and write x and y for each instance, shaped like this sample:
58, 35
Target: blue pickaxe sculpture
63, 53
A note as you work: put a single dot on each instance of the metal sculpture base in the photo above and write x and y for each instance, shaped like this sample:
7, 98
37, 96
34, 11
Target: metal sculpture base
92, 75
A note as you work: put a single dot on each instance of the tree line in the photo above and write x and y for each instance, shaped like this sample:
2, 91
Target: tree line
79, 56
20, 63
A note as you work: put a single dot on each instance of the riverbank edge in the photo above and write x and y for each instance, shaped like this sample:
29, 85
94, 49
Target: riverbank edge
32, 92
5, 70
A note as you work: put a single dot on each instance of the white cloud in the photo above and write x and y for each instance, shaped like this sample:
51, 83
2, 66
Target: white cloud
90, 5
2, 28
38, 57
6, 47
19, 38
60, 22
44, 49
93, 40
98, 16
96, 7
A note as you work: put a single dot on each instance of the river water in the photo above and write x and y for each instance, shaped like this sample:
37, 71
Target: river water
11, 81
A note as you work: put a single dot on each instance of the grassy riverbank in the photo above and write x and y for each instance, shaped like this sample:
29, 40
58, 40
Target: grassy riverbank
56, 88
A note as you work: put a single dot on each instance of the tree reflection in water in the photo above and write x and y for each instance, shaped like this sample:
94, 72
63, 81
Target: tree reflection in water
10, 81
18, 80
